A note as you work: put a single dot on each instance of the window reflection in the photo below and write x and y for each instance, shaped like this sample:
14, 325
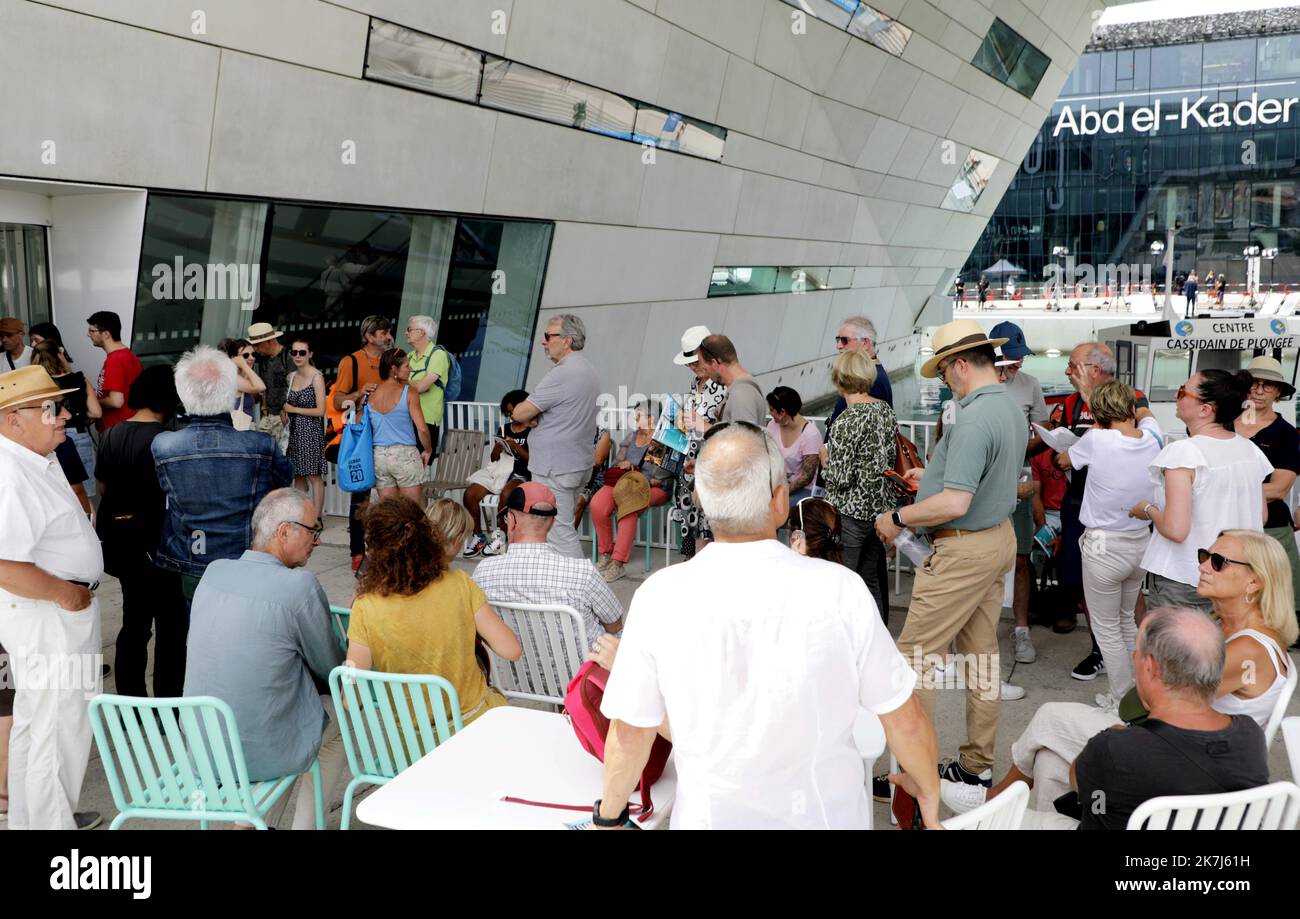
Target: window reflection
410, 58
1008, 58
518, 88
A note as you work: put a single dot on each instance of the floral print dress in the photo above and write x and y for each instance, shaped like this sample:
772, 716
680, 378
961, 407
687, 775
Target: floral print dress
710, 397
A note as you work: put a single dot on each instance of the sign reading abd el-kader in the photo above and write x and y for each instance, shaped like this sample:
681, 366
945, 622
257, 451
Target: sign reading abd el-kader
1230, 335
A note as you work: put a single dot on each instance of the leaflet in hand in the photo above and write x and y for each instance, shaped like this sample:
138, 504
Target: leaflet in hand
1059, 439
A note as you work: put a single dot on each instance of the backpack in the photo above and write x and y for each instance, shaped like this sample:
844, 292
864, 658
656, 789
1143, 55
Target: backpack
451, 388
582, 705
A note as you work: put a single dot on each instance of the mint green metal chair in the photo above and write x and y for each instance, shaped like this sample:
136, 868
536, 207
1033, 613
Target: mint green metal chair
181, 759
340, 616
388, 721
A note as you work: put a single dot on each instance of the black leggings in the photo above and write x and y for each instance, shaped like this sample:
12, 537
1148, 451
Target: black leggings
151, 602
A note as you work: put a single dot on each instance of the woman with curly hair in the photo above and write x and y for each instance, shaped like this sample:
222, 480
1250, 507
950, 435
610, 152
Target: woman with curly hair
416, 614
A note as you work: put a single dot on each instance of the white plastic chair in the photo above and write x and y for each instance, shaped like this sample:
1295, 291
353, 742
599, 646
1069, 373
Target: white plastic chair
1005, 812
1291, 736
1268, 807
869, 738
554, 640
1279, 708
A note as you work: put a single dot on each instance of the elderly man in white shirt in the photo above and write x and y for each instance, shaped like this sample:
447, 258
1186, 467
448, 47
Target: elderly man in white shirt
50, 565
759, 659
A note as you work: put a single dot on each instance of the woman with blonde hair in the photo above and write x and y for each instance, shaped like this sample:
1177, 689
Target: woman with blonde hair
452, 524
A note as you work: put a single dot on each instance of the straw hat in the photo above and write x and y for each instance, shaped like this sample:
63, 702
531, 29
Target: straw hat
693, 338
631, 493
958, 335
27, 384
259, 332
1270, 371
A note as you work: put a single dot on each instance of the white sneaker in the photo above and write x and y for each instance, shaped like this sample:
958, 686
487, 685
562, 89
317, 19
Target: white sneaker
961, 797
1012, 693
1025, 653
497, 545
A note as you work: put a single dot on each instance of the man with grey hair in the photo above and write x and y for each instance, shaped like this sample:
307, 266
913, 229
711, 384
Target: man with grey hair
261, 641
212, 475
760, 660
858, 333
430, 369
561, 451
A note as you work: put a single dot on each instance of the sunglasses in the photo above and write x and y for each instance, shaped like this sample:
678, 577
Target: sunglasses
1216, 560
843, 341
753, 429
547, 336
1182, 392
299, 352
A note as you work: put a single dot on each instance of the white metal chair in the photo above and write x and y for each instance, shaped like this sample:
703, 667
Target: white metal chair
1279, 708
1005, 812
554, 641
869, 738
1291, 736
1268, 807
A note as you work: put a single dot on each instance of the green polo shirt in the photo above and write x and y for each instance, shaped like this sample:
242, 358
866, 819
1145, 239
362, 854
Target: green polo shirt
982, 453
434, 360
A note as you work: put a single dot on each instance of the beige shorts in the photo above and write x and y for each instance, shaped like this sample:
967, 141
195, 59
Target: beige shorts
398, 466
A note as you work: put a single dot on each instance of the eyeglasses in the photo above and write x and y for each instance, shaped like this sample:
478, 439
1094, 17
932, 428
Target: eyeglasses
1216, 560
942, 370
299, 353
53, 406
1072, 366
843, 341
547, 336
1182, 392
314, 531
753, 429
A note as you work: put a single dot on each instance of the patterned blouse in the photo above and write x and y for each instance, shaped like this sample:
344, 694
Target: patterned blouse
863, 449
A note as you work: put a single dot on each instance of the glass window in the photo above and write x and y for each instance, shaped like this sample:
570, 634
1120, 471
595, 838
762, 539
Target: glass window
971, 181
1108, 71
1008, 58
410, 58
672, 131
200, 274
24, 274
517, 88
1085, 78
880, 30
1278, 56
730, 282
1176, 66
833, 12
1229, 61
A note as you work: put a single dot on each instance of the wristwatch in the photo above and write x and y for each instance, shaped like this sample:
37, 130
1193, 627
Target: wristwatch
598, 820
897, 520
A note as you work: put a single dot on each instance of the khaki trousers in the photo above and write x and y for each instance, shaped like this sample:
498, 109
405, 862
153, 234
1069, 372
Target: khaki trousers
957, 596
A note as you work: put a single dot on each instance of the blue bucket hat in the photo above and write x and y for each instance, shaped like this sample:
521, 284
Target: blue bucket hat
1015, 348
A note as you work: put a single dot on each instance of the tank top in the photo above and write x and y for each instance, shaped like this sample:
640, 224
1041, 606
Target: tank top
1261, 707
394, 427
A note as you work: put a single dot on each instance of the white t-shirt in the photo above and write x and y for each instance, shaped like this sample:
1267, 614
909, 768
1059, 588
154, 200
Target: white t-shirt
1227, 494
1119, 477
761, 659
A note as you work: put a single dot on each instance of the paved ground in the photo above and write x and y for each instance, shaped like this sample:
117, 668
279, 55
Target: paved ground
1045, 680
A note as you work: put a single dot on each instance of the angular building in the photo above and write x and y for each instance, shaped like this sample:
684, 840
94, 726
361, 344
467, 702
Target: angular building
1190, 124
763, 167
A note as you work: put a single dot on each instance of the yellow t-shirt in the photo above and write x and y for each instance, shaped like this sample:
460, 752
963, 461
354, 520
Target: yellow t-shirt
430, 632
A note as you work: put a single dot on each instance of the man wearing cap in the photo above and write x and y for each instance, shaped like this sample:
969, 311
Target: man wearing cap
50, 565
964, 502
121, 367
532, 571
274, 366
706, 400
17, 353
561, 449
1027, 392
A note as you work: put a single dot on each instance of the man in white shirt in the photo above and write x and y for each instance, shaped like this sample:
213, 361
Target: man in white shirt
50, 565
760, 660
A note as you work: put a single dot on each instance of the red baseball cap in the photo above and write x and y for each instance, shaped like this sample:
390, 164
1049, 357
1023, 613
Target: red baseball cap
525, 498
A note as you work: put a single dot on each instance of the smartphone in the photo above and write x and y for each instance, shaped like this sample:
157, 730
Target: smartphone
906, 811
902, 486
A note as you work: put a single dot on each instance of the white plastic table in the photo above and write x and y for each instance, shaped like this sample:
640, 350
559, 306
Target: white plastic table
507, 751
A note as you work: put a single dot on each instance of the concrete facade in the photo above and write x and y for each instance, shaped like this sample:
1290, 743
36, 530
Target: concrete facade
838, 152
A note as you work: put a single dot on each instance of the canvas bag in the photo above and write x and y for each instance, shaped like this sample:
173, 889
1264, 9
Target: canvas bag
357, 454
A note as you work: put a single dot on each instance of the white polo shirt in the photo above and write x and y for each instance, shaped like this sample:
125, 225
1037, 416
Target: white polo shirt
41, 520
760, 659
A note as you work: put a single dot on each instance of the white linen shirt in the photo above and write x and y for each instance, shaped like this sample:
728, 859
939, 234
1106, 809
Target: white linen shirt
42, 520
1119, 477
761, 659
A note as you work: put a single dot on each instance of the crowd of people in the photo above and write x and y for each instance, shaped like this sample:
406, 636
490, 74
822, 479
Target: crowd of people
209, 478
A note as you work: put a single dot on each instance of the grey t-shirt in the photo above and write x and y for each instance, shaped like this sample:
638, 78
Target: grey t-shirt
745, 402
982, 454
561, 442
1027, 392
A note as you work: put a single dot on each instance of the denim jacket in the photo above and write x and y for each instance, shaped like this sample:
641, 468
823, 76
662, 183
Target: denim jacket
213, 477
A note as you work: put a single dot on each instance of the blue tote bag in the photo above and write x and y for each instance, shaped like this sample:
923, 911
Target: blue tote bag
357, 454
